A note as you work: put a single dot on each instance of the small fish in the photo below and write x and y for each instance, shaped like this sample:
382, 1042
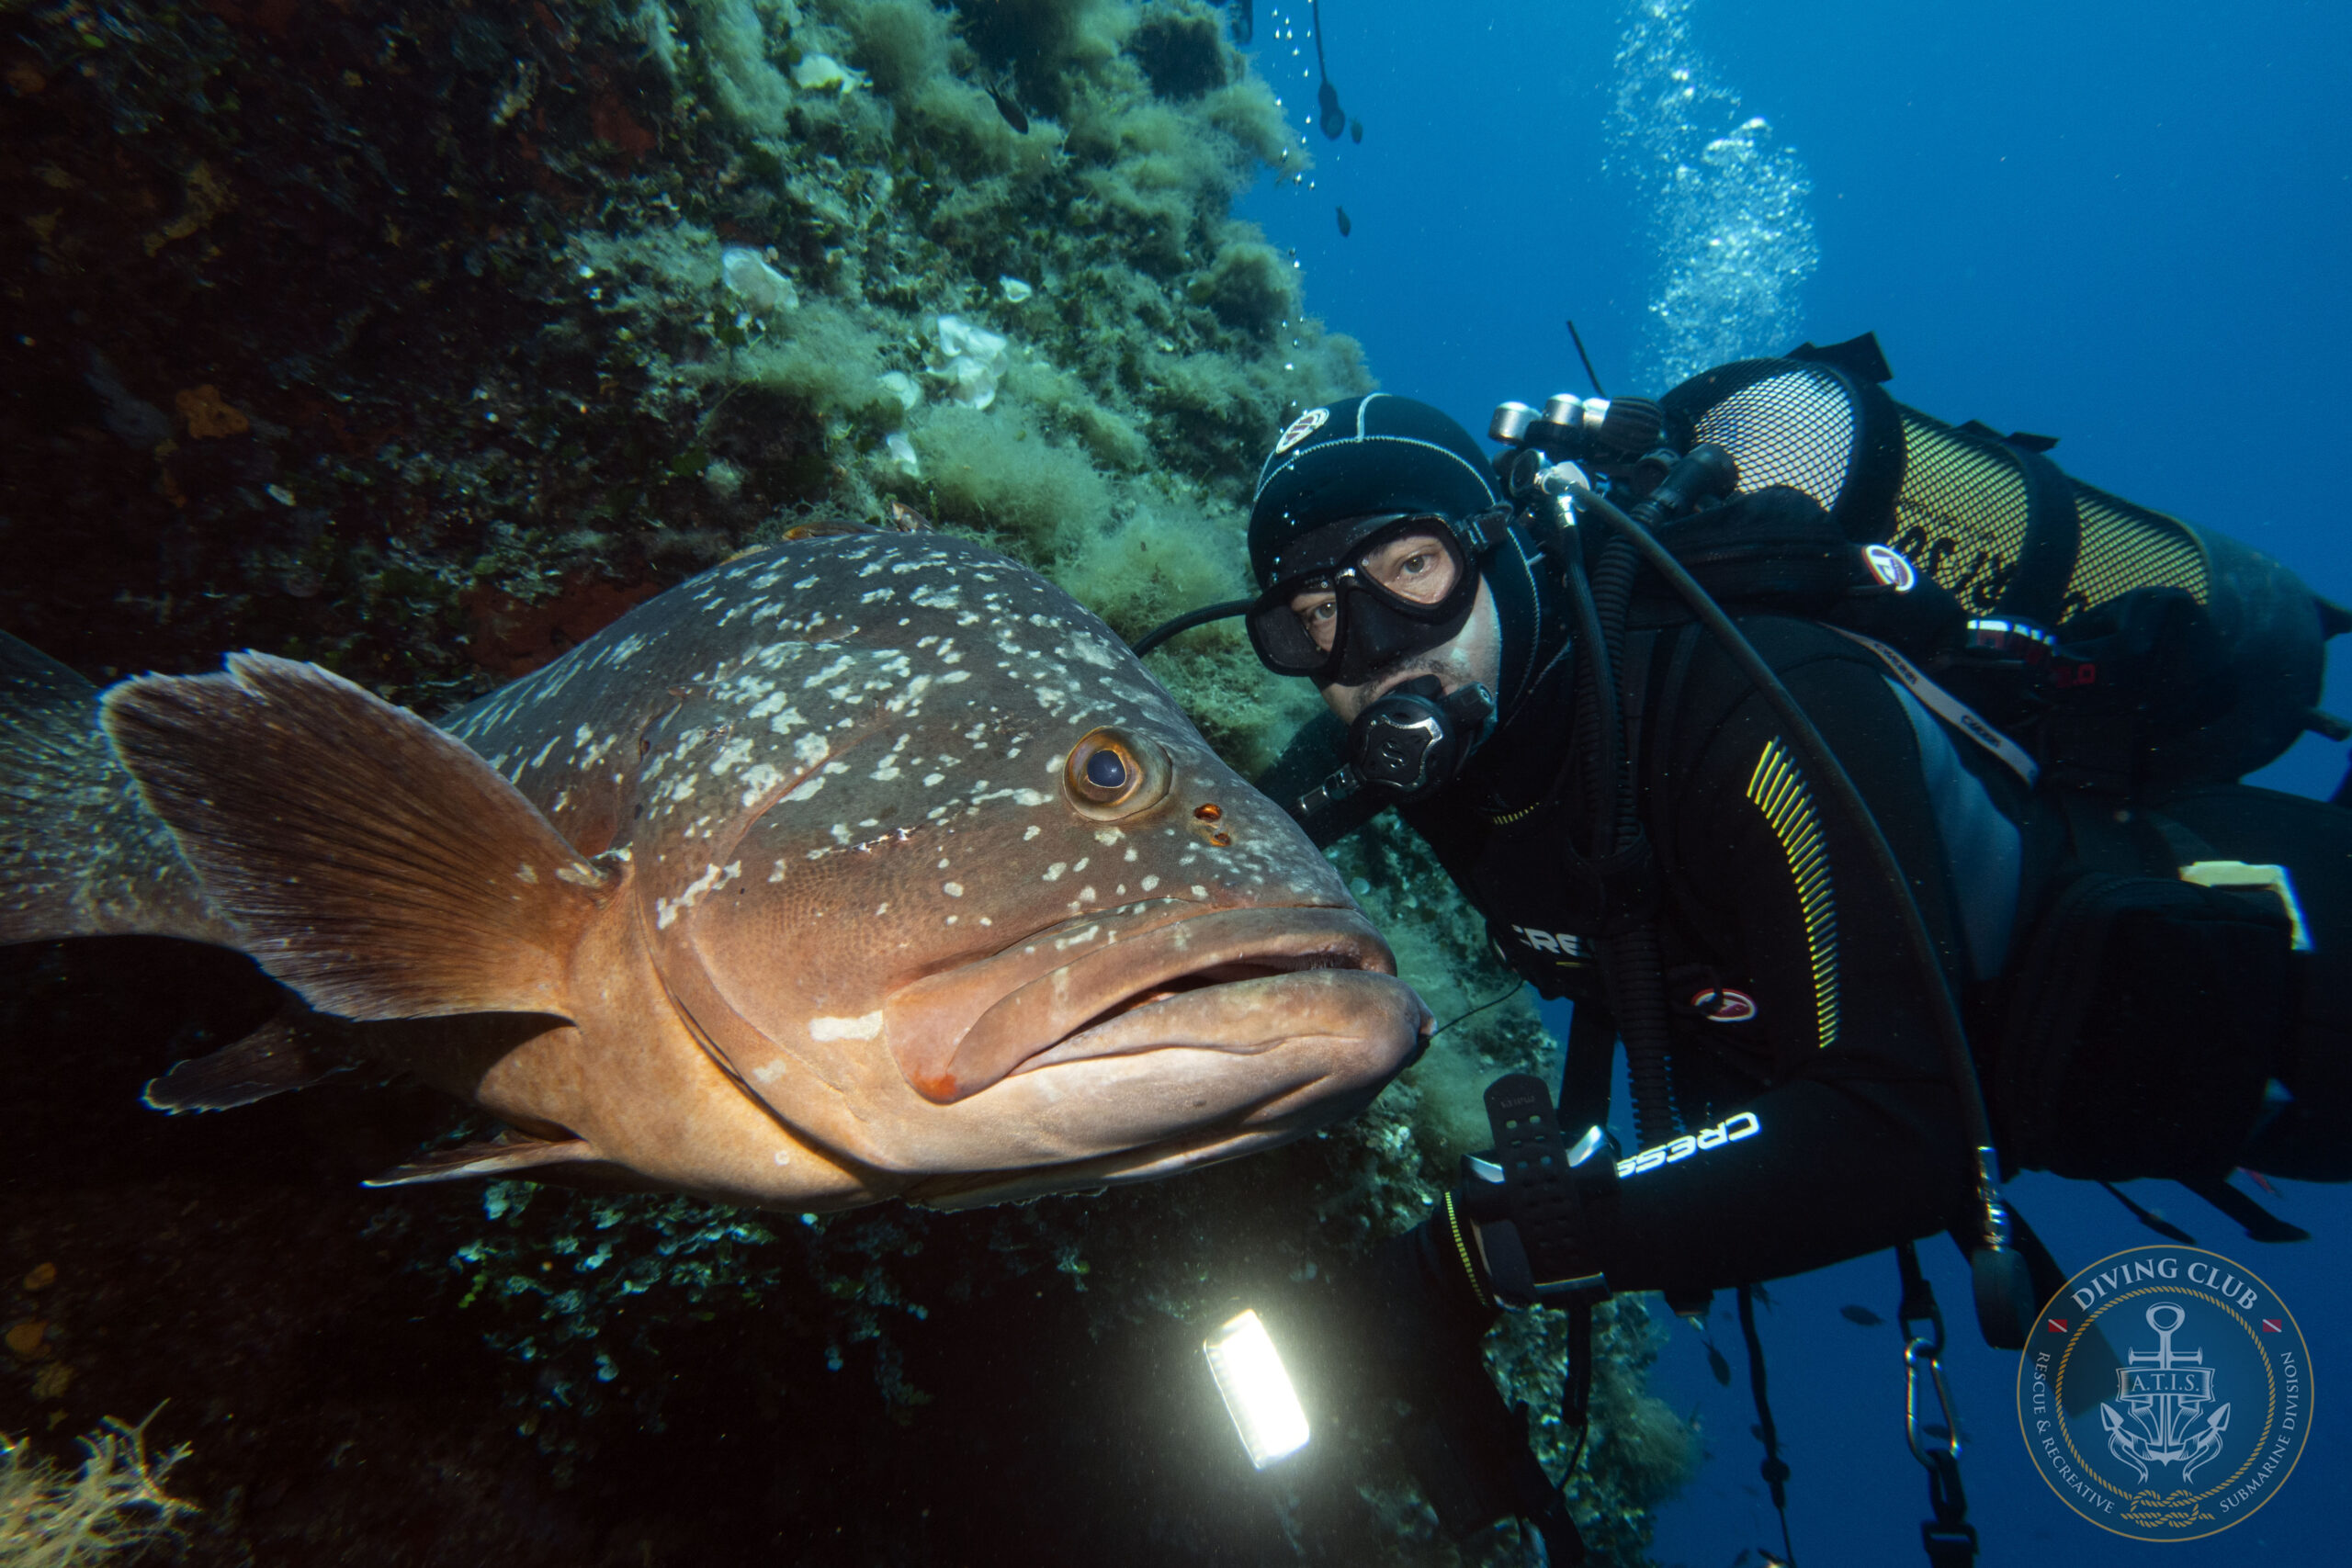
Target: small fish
1009, 107
861, 866
1355, 132
1862, 1317
1717, 1365
1346, 228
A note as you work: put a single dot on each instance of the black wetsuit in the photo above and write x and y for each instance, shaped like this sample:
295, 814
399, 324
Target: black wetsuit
1799, 1026
1806, 1068
1809, 1079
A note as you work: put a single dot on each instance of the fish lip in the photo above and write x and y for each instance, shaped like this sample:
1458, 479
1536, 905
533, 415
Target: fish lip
1042, 1010
1343, 1071
1133, 1027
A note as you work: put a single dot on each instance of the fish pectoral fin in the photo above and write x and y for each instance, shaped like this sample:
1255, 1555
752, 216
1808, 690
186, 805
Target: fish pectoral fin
374, 863
499, 1156
294, 1050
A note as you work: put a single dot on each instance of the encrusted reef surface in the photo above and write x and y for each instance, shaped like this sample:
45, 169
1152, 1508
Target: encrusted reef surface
422, 340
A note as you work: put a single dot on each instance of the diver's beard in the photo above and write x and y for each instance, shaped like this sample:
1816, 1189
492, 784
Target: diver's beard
1451, 673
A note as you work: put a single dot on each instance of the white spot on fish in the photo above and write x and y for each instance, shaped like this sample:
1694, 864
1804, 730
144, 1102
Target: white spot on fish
953, 889
667, 911
864, 1027
1149, 883
525, 875
1054, 871
732, 755
1031, 832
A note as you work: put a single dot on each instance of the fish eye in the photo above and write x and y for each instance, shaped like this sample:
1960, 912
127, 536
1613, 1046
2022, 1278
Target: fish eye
1110, 774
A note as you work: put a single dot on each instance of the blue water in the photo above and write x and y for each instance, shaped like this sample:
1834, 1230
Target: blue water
2122, 224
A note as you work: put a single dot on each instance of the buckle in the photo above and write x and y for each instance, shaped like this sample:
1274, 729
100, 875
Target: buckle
1531, 1238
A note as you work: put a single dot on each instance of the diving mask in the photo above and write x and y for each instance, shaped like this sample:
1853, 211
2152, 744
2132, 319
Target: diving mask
1354, 598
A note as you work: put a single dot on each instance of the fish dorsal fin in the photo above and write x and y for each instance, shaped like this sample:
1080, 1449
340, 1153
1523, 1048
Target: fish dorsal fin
377, 865
503, 1155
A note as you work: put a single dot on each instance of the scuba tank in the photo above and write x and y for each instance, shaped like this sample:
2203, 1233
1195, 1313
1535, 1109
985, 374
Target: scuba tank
2131, 649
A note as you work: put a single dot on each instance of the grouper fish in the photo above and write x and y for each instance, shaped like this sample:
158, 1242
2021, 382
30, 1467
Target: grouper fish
859, 866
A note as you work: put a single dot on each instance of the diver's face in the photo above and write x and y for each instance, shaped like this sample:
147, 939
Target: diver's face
1474, 656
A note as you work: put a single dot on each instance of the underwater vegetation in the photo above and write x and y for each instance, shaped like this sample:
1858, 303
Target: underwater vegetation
422, 340
113, 1507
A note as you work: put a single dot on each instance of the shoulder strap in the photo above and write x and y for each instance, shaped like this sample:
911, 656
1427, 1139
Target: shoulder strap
1949, 708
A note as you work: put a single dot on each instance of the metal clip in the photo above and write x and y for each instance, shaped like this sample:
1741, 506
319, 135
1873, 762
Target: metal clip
1919, 1354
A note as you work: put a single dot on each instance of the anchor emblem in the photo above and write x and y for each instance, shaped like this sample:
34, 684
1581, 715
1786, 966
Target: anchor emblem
2163, 1391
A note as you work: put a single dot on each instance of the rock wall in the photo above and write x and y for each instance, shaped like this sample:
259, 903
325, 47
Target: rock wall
422, 340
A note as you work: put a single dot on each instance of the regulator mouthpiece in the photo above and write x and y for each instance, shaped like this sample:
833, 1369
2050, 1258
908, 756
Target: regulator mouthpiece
1409, 744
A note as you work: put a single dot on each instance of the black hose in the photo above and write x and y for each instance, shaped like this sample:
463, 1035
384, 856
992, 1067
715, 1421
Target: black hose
1589, 374
1612, 590
1223, 611
1630, 963
1596, 720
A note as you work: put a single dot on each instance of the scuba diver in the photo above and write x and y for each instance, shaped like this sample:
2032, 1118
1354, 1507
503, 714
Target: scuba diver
1873, 782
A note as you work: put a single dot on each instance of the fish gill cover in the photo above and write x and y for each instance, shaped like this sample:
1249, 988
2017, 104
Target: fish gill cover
422, 339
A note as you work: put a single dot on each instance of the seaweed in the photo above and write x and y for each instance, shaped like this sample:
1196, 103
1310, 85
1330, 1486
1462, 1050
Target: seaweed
113, 1506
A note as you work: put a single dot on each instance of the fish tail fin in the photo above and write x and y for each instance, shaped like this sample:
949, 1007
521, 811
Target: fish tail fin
79, 854
374, 863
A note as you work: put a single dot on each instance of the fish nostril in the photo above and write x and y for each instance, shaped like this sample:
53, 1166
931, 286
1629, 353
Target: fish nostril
1208, 813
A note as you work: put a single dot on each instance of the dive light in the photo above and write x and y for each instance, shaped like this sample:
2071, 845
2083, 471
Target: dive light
1256, 1391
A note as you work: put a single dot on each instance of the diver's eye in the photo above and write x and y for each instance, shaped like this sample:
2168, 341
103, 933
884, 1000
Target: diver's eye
1110, 774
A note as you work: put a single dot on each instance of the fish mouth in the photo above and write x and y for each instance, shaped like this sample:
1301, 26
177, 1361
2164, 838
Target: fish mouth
1125, 992
1224, 1139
